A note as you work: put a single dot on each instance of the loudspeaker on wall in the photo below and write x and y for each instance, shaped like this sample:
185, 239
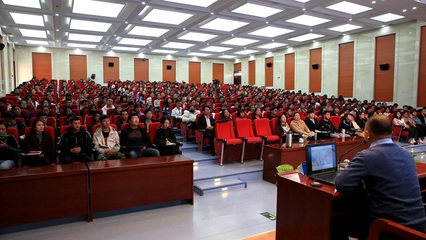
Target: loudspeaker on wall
110, 64
384, 67
2, 46
269, 64
93, 76
315, 66
169, 67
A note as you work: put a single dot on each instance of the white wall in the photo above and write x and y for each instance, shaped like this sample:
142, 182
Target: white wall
60, 65
406, 64
6, 72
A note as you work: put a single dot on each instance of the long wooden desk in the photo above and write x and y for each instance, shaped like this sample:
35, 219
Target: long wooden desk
120, 184
277, 154
37, 194
306, 212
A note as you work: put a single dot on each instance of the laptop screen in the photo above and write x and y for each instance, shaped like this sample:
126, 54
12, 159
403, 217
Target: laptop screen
321, 158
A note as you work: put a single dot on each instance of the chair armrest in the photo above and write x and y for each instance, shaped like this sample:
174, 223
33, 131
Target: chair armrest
380, 226
221, 140
243, 138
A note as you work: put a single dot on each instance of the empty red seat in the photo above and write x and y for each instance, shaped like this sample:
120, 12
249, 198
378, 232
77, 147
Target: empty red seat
227, 146
252, 145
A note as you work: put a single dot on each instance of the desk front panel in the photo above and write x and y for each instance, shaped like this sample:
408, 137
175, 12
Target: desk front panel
120, 184
37, 194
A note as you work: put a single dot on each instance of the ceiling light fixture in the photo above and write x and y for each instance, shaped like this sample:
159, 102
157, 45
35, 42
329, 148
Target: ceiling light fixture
256, 10
221, 24
166, 17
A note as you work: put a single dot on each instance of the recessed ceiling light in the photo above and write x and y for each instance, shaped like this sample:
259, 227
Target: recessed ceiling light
56, 14
131, 49
404, 10
221, 24
373, 2
302, 1
35, 42
387, 17
308, 20
306, 37
178, 45
240, 41
167, 17
215, 49
272, 45
198, 3
199, 37
33, 33
133, 41
256, 10
164, 51
227, 56
246, 52
414, 8
147, 31
84, 37
345, 28
199, 54
89, 25
270, 31
97, 8
27, 19
79, 45
27, 3
348, 7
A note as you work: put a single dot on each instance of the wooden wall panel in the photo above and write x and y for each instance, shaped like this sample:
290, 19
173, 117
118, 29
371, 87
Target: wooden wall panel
252, 72
346, 70
237, 67
421, 88
169, 74
315, 81
383, 80
269, 71
218, 72
289, 71
42, 65
194, 69
111, 73
78, 67
141, 66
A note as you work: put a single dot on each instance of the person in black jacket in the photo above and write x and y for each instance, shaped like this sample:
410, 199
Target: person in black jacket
10, 119
76, 143
136, 140
206, 123
327, 125
9, 148
165, 139
312, 122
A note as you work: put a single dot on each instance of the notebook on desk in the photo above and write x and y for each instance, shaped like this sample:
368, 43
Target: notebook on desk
321, 162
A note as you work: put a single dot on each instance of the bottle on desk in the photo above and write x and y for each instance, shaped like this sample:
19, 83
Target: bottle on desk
289, 140
343, 133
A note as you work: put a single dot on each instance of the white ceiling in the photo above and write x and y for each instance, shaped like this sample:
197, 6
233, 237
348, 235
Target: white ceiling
66, 24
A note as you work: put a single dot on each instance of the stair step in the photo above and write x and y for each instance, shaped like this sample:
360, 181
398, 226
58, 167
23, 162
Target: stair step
218, 185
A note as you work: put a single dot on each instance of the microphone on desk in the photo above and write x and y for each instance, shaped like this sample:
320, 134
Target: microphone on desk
350, 150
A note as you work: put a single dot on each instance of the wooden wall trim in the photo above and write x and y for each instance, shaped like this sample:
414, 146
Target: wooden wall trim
346, 70
384, 79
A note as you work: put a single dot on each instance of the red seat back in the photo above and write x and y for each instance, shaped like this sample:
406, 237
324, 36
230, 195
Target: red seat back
14, 132
262, 127
274, 122
244, 128
225, 130
336, 121
152, 129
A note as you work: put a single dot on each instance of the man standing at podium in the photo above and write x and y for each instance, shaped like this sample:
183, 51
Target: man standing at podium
388, 175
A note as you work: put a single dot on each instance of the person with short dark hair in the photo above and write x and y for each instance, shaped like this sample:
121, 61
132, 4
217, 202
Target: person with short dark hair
76, 143
9, 148
124, 117
165, 139
11, 122
388, 175
312, 122
206, 122
107, 141
136, 141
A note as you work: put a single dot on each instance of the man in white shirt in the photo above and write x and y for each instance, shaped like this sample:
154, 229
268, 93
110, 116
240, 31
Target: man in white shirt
177, 112
107, 106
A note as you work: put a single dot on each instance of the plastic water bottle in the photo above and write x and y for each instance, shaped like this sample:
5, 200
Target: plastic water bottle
343, 133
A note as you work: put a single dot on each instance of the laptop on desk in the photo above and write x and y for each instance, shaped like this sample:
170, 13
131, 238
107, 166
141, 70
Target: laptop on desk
321, 162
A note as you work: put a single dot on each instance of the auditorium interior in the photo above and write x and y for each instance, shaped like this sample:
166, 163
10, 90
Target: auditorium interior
272, 55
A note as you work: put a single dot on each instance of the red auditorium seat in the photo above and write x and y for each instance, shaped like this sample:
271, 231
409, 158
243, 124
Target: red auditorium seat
252, 145
227, 146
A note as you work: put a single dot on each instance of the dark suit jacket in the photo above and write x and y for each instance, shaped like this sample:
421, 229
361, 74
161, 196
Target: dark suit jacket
202, 124
312, 126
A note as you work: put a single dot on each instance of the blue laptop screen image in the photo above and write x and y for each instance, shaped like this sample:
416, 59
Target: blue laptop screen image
321, 158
